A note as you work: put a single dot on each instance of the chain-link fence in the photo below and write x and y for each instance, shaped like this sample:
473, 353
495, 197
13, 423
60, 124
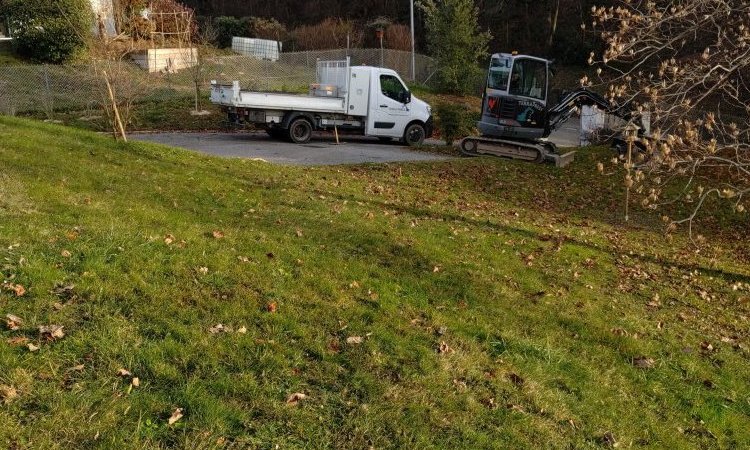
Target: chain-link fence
48, 88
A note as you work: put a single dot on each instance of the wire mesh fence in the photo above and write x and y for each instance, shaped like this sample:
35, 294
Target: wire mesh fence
50, 88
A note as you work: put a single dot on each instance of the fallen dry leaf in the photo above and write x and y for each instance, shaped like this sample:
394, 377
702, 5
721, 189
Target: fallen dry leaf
78, 368
51, 332
65, 254
124, 373
176, 415
444, 348
242, 330
13, 322
217, 329
516, 379
217, 234
168, 239
203, 270
135, 382
7, 393
18, 289
707, 347
354, 340
299, 232
32, 347
609, 440
295, 398
642, 362
272, 307
20, 340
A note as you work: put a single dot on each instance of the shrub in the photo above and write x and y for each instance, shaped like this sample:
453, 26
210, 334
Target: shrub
454, 121
456, 43
129, 20
226, 27
328, 34
50, 31
398, 37
267, 29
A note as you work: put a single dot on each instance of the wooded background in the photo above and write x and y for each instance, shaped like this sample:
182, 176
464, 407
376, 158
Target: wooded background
550, 28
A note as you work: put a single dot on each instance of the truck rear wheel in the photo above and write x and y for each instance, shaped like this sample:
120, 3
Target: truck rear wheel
300, 131
414, 135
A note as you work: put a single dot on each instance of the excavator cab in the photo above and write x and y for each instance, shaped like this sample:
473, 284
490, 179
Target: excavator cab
514, 104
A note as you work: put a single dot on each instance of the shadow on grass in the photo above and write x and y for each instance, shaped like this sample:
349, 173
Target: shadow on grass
444, 216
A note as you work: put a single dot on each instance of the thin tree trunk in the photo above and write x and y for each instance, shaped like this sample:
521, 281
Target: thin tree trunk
554, 14
118, 121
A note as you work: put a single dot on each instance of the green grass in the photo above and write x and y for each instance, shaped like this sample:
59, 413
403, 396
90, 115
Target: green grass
168, 113
525, 272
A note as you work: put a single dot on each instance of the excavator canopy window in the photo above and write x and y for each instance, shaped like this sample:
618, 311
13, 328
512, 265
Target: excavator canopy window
529, 78
499, 73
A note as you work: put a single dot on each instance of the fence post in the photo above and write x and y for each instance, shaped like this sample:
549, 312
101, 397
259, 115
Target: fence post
48, 91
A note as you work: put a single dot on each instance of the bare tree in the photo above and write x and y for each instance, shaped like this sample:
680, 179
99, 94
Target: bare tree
687, 63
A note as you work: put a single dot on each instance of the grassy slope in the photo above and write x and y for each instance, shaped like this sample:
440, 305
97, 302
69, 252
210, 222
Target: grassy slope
542, 293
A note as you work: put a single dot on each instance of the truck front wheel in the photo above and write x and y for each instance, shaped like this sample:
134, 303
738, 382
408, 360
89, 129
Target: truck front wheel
414, 135
300, 131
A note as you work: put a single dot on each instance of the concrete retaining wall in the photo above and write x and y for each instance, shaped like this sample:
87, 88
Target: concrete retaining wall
166, 59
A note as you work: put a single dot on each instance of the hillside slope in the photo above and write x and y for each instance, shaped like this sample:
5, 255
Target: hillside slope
467, 304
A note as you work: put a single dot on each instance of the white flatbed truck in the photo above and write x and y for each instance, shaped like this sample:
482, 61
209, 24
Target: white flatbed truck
371, 101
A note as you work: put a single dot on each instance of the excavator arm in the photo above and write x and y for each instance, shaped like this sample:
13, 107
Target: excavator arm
561, 112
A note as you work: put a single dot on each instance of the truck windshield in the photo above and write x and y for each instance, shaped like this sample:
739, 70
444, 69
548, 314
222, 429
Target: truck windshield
499, 73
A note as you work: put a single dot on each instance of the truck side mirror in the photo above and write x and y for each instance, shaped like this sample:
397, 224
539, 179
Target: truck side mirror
406, 97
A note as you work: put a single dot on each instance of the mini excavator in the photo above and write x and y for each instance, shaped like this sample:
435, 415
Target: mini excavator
516, 118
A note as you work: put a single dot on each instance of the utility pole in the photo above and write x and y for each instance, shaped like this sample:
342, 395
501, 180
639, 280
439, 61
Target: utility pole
413, 56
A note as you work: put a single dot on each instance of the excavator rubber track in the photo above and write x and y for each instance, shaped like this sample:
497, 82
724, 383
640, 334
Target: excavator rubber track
536, 152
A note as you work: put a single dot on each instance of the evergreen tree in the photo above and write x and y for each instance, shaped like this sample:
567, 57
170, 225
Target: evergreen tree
456, 42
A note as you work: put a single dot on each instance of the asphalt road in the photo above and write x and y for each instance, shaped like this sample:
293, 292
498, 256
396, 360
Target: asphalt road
322, 150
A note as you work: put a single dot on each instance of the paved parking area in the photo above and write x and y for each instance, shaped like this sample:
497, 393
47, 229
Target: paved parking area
322, 150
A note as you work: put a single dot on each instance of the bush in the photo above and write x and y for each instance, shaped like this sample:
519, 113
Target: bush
267, 29
456, 43
328, 34
227, 27
49, 31
454, 121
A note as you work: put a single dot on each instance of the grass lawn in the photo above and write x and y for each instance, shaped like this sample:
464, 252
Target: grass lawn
473, 303
172, 113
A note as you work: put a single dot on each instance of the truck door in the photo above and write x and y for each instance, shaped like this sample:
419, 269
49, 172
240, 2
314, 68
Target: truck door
389, 110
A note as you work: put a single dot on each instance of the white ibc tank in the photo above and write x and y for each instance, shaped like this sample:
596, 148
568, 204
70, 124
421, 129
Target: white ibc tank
257, 48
